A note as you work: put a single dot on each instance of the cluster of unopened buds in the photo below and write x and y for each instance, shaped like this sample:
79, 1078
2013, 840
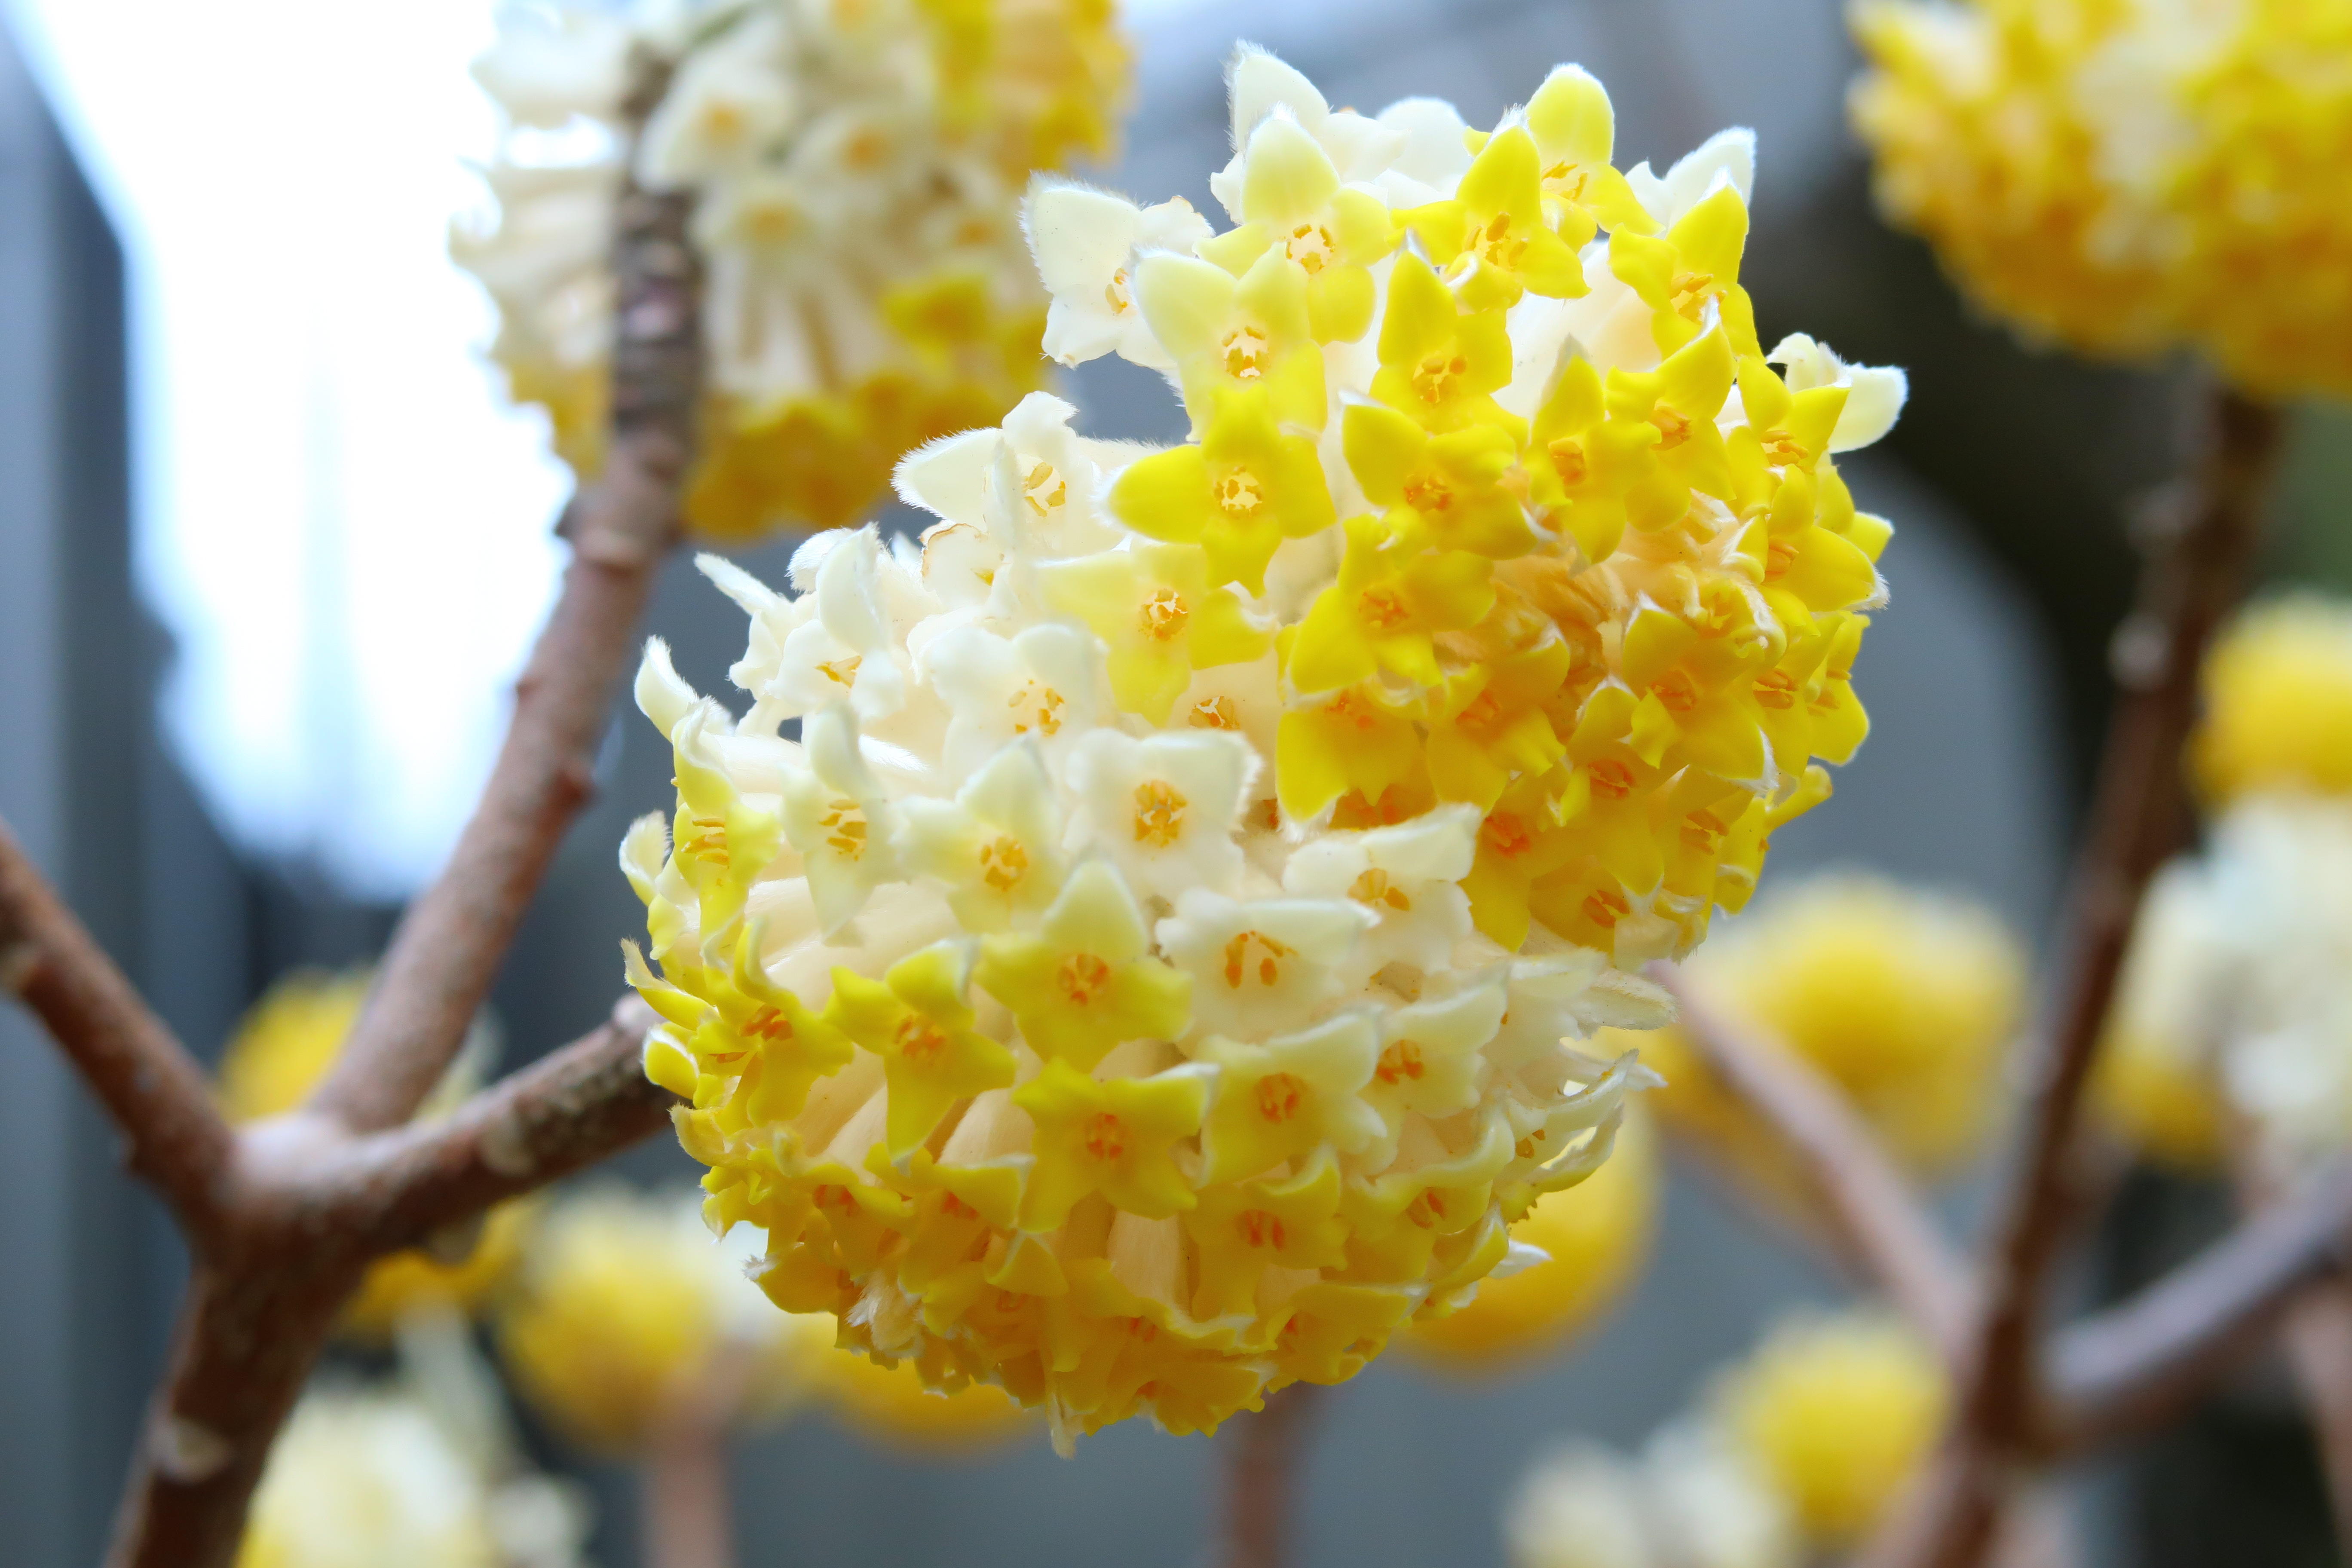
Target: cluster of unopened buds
1152, 975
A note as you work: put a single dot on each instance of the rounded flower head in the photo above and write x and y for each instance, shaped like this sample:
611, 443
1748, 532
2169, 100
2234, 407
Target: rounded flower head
1147, 973
2278, 703
1593, 1239
1837, 1412
1906, 1000
2153, 1084
2130, 177
627, 1305
856, 170
281, 1050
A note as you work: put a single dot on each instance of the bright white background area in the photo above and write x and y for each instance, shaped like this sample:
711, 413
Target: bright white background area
340, 522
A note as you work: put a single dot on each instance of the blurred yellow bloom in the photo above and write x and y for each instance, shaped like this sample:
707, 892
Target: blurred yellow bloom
2278, 703
1838, 1412
857, 171
1213, 855
280, 1050
2126, 176
1596, 1239
627, 1304
1905, 1000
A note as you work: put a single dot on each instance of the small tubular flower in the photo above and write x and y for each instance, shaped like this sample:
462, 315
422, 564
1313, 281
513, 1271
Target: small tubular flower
2128, 178
1593, 1239
1202, 881
856, 175
1907, 1001
627, 1302
282, 1047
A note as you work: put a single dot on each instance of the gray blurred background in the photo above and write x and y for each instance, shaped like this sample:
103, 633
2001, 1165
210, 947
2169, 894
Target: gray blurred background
2008, 480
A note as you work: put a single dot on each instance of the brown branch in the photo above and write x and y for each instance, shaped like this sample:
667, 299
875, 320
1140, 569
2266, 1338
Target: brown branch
2136, 1364
2199, 548
1876, 1218
314, 1208
688, 1517
2319, 1338
1262, 1464
158, 1097
453, 939
306, 1201
565, 1111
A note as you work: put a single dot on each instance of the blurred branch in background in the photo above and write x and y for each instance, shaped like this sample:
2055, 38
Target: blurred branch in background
1263, 1459
2200, 544
282, 1216
1881, 1227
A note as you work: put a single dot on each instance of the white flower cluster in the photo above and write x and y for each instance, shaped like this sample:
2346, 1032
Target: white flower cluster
857, 166
2241, 972
1690, 1499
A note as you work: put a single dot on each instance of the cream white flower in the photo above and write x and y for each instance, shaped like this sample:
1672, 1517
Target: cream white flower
1043, 682
1268, 964
1086, 243
1408, 876
1164, 808
996, 844
838, 817
1874, 394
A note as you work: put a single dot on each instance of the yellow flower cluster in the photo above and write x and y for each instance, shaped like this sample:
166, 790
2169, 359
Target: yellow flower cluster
628, 1310
1907, 1001
1595, 1238
857, 166
1838, 1411
1145, 978
1792, 1460
2278, 703
281, 1050
626, 1306
2125, 176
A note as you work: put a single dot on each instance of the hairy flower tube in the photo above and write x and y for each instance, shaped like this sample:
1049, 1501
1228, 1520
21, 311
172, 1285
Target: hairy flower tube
282, 1047
1148, 974
1594, 1239
627, 1306
2129, 176
856, 168
1906, 1000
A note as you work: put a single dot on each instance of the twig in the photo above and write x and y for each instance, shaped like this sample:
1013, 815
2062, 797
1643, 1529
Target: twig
566, 1111
2197, 548
1261, 1467
1877, 1219
448, 947
2317, 1331
2318, 1336
688, 1512
155, 1093
2135, 1364
313, 1208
